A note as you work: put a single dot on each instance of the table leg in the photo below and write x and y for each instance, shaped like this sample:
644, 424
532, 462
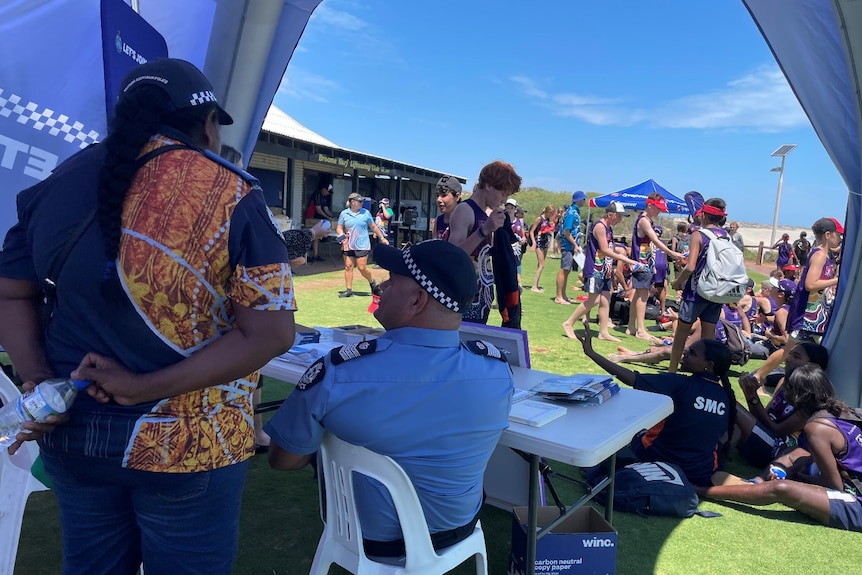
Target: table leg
533, 515
609, 506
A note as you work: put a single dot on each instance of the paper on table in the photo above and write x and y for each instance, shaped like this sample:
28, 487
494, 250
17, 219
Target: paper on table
535, 413
567, 384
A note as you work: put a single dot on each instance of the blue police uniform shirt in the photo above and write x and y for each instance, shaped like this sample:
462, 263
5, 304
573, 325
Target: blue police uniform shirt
688, 437
421, 398
571, 222
356, 225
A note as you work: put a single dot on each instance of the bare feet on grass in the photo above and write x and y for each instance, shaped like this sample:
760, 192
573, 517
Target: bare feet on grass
608, 337
569, 329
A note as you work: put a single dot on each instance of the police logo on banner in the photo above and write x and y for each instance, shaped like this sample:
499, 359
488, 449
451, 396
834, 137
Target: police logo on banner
312, 376
485, 348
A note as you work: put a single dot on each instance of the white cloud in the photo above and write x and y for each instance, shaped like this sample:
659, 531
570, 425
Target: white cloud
337, 18
301, 84
760, 101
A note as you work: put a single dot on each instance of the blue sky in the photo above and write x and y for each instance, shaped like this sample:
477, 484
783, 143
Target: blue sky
596, 96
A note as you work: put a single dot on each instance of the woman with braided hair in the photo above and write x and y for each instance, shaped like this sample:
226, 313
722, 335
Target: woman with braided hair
172, 285
830, 490
704, 409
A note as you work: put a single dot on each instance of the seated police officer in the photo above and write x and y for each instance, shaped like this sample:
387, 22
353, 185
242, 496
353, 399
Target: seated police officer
417, 394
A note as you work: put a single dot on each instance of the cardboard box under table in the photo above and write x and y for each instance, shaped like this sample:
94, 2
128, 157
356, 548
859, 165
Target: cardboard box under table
584, 543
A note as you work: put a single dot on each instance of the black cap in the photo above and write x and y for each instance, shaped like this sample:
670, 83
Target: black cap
184, 84
443, 269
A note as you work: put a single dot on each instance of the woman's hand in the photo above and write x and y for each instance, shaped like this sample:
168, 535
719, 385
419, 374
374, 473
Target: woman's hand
35, 429
749, 385
112, 381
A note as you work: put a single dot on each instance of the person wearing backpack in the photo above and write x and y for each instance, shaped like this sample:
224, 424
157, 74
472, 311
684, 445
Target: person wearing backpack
693, 305
734, 331
831, 437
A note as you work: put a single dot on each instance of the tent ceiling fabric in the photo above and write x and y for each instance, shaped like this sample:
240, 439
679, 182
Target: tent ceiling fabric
818, 45
248, 44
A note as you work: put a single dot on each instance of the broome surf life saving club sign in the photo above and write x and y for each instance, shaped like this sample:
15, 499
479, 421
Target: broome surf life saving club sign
68, 59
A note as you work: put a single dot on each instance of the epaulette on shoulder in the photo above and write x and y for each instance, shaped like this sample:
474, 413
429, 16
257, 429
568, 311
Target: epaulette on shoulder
347, 352
481, 347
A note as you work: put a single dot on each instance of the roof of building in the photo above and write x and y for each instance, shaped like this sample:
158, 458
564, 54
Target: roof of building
279, 123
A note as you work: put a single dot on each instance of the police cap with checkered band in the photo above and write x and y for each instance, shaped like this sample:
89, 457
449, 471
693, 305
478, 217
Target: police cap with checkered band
444, 270
184, 84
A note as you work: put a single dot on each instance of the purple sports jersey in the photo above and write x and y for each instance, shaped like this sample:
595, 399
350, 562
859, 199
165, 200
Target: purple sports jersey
599, 265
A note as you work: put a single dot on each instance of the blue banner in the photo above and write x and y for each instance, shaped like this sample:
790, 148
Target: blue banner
52, 101
127, 41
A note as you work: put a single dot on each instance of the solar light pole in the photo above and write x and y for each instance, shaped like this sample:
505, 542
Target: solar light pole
782, 153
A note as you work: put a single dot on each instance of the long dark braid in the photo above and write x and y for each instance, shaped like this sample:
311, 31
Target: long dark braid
719, 354
138, 116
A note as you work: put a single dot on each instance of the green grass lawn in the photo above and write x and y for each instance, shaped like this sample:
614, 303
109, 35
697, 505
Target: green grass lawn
280, 524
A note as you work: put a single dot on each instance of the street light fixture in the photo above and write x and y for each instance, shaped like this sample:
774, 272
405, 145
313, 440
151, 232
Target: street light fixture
782, 153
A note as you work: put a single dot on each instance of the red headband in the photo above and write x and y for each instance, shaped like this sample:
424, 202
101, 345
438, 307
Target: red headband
713, 211
660, 204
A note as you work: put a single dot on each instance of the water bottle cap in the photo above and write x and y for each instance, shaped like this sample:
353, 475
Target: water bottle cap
81, 383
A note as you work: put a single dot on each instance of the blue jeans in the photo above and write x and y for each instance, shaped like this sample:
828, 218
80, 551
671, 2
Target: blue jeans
176, 523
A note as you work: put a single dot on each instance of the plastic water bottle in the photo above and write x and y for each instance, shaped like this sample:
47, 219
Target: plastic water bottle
51, 397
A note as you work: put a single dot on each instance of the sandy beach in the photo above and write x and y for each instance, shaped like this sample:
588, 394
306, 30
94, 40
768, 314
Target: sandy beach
753, 234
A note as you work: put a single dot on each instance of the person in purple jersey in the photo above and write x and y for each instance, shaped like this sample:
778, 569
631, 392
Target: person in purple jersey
662, 273
713, 215
448, 192
785, 251
762, 432
598, 271
815, 292
473, 224
644, 239
831, 494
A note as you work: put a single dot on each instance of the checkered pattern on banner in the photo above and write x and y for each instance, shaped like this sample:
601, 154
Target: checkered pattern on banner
427, 284
57, 124
202, 98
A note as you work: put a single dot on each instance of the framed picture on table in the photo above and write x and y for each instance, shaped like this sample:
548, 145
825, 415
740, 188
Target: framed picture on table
512, 342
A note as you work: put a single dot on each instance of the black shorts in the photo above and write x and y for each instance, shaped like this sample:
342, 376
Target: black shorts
356, 253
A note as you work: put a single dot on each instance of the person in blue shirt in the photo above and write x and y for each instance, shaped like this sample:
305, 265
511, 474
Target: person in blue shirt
417, 394
354, 224
570, 244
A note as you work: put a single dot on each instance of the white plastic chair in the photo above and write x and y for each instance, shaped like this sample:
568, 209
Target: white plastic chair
341, 542
16, 485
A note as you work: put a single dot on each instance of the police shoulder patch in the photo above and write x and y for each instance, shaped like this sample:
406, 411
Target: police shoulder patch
347, 352
312, 376
480, 347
